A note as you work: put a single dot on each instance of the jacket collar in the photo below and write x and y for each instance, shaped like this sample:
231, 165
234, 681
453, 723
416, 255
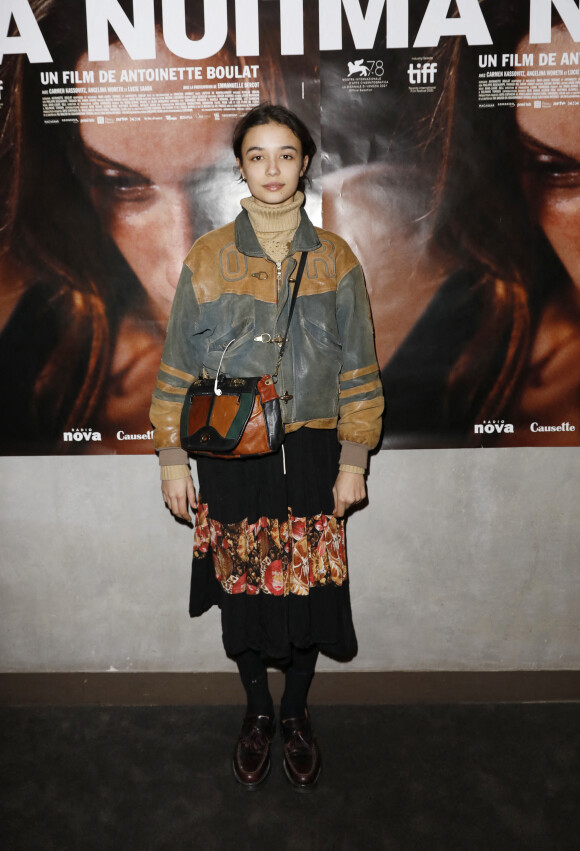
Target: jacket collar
305, 238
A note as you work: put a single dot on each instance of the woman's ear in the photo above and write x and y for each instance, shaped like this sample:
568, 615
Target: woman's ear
241, 170
305, 162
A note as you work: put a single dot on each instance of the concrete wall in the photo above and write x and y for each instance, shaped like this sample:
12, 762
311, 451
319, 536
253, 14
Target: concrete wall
464, 560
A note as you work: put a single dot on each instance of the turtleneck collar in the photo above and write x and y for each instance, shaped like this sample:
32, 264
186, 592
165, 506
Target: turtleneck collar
274, 218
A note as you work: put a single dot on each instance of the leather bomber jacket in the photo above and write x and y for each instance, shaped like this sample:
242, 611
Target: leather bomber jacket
230, 294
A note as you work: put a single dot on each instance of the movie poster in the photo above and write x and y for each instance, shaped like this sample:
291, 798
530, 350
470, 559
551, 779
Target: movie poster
449, 158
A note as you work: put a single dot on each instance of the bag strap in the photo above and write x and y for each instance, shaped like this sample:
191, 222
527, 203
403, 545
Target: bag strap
300, 272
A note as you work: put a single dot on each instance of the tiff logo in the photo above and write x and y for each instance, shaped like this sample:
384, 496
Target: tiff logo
422, 73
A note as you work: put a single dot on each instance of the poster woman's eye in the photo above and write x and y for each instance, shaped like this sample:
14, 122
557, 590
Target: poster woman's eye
552, 169
113, 182
121, 185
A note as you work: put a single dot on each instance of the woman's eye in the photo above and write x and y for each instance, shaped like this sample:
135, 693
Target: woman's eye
555, 171
123, 186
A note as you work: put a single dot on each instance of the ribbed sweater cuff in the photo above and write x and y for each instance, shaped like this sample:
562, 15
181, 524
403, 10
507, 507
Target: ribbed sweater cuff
354, 454
172, 456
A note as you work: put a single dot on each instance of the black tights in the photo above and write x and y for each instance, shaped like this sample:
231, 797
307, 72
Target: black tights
298, 673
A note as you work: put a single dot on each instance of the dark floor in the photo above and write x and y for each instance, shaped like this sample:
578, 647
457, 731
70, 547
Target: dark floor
396, 777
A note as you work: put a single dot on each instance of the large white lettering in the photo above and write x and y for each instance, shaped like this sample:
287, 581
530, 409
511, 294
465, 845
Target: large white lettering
541, 19
29, 40
469, 22
436, 23
137, 33
398, 23
138, 40
216, 29
292, 27
364, 28
247, 28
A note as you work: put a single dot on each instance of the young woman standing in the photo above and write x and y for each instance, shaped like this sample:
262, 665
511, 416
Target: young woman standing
269, 539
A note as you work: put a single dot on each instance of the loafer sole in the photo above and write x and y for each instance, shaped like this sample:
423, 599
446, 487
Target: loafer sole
301, 787
251, 786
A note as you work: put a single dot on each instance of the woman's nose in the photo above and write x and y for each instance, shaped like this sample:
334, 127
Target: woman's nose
273, 167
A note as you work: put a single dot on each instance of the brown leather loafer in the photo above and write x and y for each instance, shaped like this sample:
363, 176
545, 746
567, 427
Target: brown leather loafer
302, 761
252, 753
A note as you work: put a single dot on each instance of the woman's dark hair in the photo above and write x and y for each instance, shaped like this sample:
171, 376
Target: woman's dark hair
272, 113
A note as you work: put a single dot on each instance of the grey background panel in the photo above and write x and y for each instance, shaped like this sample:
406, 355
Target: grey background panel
464, 560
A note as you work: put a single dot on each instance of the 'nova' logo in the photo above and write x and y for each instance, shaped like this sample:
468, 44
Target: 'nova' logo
493, 427
79, 434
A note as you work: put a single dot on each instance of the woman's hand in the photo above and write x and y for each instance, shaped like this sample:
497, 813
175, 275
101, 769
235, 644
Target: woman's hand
349, 488
178, 495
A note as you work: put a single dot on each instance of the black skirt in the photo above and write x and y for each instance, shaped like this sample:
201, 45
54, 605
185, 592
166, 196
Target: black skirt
268, 552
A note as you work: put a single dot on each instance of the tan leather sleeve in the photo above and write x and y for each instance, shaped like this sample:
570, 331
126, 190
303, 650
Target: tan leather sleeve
361, 401
179, 366
165, 418
361, 422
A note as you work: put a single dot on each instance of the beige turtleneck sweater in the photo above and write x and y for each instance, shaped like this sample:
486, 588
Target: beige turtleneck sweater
274, 225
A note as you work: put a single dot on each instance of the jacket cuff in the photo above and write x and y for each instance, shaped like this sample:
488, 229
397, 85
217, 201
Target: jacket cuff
354, 454
173, 456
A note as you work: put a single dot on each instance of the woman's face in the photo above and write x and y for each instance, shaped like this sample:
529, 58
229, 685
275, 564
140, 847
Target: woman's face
142, 178
550, 138
272, 162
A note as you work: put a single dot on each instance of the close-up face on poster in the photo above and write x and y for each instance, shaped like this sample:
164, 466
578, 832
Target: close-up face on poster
449, 159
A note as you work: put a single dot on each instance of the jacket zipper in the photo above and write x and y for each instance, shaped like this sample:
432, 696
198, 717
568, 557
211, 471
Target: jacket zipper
278, 276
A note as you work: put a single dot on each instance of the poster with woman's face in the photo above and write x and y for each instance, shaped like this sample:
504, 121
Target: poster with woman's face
117, 121
461, 194
449, 157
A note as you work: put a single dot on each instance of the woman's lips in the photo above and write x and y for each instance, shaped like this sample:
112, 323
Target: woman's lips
273, 187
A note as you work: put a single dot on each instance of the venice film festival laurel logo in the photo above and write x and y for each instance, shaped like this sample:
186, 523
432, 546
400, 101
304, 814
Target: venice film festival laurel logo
371, 68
